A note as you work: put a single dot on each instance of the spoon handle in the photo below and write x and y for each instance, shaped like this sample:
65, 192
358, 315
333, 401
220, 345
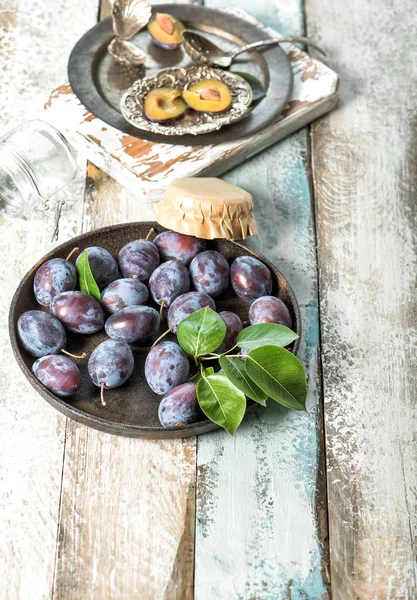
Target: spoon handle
273, 42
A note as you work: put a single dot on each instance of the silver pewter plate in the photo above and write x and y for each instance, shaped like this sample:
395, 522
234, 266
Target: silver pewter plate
99, 82
194, 123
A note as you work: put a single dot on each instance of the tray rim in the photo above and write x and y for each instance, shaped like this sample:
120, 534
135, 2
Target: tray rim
227, 134
105, 425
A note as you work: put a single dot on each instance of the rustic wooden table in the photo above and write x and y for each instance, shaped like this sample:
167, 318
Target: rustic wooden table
294, 506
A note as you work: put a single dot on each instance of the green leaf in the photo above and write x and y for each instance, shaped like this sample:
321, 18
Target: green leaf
202, 332
258, 90
196, 378
265, 334
234, 367
279, 374
221, 401
88, 284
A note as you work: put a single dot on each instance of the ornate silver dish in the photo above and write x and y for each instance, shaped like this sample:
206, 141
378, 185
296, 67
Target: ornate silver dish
99, 82
193, 123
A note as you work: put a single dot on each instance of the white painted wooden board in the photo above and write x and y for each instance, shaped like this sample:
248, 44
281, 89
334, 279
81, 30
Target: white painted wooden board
32, 434
145, 167
261, 532
127, 518
128, 505
365, 175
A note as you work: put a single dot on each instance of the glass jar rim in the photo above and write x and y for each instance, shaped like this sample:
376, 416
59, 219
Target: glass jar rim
20, 158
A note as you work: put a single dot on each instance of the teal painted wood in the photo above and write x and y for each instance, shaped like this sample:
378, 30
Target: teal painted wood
258, 506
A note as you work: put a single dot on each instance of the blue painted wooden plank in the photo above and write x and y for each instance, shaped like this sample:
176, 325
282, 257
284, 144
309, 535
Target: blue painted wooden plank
257, 529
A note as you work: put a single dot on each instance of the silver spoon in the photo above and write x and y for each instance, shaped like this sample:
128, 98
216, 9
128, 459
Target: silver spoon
204, 52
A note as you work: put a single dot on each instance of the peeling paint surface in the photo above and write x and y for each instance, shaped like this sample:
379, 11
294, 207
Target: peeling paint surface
365, 176
33, 55
257, 530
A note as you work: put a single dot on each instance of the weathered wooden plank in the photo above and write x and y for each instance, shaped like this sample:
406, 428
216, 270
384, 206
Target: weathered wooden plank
127, 518
128, 506
31, 443
261, 530
365, 180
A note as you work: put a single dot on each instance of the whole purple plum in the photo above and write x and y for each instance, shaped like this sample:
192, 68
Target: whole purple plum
102, 264
53, 277
168, 281
79, 312
269, 309
210, 273
123, 293
179, 406
166, 366
59, 374
40, 333
111, 364
133, 324
173, 245
186, 304
251, 279
138, 259
233, 327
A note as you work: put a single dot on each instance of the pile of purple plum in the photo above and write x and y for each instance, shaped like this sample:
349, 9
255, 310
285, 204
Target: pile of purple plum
174, 271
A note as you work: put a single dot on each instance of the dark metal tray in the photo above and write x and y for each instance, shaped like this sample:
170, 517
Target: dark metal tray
132, 409
99, 82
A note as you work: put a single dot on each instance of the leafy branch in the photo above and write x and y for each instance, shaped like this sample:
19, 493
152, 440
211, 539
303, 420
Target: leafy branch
260, 369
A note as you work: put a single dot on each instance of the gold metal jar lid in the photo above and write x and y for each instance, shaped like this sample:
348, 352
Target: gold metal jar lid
208, 208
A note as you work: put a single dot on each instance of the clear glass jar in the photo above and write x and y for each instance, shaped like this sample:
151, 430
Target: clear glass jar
36, 161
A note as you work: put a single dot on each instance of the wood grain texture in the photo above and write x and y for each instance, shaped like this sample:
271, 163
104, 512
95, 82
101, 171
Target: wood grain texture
128, 505
365, 173
31, 443
127, 520
260, 532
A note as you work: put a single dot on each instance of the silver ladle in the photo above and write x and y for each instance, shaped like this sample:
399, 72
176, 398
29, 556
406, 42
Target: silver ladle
204, 52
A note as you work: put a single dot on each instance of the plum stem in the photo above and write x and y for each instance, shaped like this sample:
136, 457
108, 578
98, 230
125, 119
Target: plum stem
103, 402
210, 357
161, 336
71, 253
161, 310
83, 355
150, 232
230, 349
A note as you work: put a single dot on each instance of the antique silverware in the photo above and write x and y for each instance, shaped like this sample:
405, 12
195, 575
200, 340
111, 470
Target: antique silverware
194, 123
99, 81
126, 53
128, 17
204, 52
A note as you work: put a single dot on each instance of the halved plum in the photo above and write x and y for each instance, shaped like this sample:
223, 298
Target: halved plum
166, 31
208, 95
163, 105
